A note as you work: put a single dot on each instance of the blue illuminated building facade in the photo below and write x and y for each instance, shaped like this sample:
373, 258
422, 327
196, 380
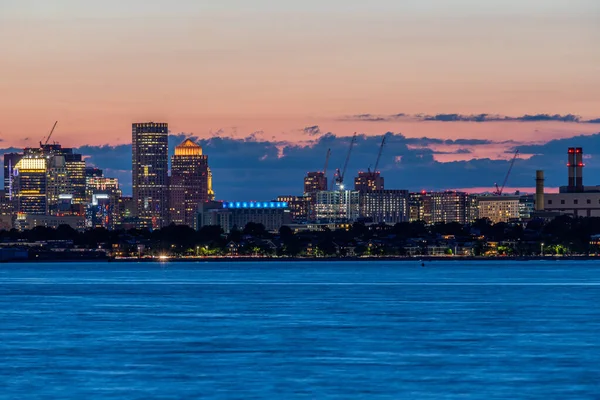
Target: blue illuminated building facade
236, 214
255, 204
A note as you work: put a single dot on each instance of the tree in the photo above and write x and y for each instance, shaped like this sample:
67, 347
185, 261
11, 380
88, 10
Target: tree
256, 230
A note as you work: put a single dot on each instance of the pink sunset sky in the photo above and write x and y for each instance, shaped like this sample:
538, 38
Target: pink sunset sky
272, 68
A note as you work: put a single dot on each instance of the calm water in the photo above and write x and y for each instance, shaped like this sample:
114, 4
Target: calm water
377, 330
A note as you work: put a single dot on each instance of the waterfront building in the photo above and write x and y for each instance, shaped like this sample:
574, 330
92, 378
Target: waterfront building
237, 214
30, 221
150, 173
190, 183
442, 207
582, 204
499, 208
384, 206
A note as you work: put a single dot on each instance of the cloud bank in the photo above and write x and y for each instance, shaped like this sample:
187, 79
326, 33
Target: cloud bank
253, 169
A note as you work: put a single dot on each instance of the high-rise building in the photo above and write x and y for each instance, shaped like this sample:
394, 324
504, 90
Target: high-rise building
444, 207
299, 206
10, 160
74, 164
93, 172
499, 208
368, 182
315, 182
59, 186
103, 202
337, 205
384, 206
190, 183
29, 185
150, 173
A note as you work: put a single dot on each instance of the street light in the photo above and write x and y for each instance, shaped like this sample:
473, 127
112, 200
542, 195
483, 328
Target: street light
197, 250
542, 249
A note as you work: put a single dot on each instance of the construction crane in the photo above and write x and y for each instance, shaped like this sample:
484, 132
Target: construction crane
326, 161
499, 190
339, 179
49, 135
378, 155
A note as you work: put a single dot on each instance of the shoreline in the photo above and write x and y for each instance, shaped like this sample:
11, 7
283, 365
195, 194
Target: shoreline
305, 259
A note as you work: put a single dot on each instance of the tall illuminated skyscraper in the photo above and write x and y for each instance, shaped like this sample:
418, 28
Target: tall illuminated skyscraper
191, 183
30, 184
150, 173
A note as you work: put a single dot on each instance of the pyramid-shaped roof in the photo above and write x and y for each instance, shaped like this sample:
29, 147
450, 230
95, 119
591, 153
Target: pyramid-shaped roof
188, 148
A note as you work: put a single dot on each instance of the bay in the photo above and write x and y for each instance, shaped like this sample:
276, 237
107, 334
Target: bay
306, 330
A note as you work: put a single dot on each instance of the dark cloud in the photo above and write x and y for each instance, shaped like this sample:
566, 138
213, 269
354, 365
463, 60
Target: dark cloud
366, 117
312, 130
463, 151
472, 118
548, 117
457, 117
469, 142
558, 147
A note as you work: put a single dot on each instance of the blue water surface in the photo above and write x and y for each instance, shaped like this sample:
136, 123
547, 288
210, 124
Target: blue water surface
300, 330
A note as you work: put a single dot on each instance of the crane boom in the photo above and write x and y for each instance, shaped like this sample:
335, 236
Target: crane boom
51, 132
326, 161
499, 190
340, 178
379, 155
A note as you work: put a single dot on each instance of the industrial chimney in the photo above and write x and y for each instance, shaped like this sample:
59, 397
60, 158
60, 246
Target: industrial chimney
579, 170
539, 190
571, 169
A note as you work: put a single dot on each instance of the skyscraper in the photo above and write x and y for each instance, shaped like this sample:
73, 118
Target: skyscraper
30, 183
10, 161
149, 173
103, 201
190, 183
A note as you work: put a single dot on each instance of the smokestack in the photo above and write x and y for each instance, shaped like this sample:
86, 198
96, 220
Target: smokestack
579, 169
571, 168
539, 190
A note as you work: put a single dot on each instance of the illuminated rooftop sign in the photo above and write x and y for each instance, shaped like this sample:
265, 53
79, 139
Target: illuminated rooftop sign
255, 204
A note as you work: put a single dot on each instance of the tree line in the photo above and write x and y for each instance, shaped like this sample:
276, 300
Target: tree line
562, 235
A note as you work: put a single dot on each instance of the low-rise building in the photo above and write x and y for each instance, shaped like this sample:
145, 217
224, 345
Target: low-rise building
584, 204
272, 215
30, 221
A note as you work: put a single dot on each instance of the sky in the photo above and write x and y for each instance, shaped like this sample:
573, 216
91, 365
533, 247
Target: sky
278, 80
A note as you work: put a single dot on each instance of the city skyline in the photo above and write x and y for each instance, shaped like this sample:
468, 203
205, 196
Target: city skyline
275, 79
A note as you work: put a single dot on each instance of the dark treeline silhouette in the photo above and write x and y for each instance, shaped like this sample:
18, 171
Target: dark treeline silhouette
562, 235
